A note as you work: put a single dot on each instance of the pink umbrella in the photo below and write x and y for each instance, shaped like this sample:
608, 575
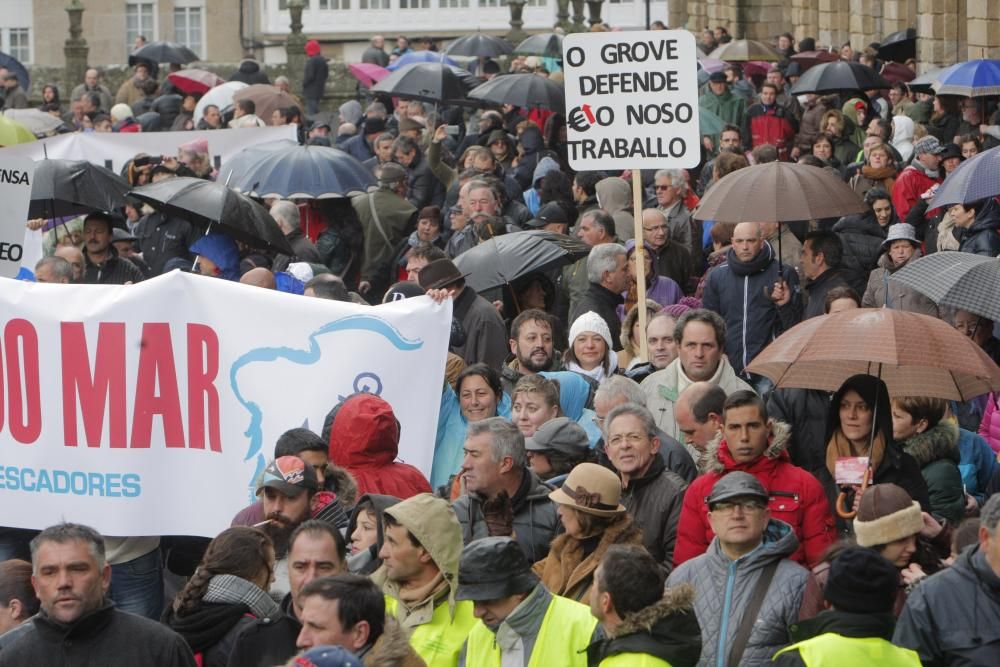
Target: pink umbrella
808, 59
367, 73
194, 81
756, 68
711, 65
895, 72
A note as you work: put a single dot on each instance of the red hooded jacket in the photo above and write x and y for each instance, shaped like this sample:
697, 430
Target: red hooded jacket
364, 440
797, 498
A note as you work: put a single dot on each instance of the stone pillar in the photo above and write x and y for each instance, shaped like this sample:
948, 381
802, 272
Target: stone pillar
942, 26
516, 34
562, 15
861, 23
833, 29
76, 49
579, 19
805, 19
594, 8
983, 28
295, 46
763, 19
677, 15
697, 17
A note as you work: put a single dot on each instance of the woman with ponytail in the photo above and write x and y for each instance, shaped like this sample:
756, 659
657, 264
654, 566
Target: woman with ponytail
226, 592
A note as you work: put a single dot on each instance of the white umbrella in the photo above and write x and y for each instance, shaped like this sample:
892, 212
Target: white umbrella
221, 96
37, 122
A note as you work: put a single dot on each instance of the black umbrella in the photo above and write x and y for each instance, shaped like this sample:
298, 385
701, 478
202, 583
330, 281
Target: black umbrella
547, 44
504, 259
74, 187
426, 82
529, 91
899, 46
213, 204
480, 45
837, 77
164, 52
14, 65
303, 172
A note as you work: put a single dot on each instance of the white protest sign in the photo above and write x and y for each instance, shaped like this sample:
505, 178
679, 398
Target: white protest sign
113, 150
140, 418
632, 100
16, 174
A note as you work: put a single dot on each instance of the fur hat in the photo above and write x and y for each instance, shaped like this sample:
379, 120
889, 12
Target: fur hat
886, 513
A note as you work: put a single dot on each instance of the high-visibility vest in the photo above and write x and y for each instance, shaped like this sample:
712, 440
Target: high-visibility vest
634, 660
833, 649
440, 642
562, 639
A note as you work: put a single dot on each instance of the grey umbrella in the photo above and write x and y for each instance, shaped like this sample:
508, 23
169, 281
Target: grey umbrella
956, 279
975, 179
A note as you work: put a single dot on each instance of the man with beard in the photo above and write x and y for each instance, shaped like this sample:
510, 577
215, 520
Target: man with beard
531, 335
286, 492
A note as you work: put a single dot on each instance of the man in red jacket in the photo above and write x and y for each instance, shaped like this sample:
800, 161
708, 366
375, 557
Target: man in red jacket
919, 177
770, 123
751, 443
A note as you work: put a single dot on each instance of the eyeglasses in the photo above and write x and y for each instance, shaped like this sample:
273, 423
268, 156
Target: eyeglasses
747, 506
599, 421
658, 188
632, 439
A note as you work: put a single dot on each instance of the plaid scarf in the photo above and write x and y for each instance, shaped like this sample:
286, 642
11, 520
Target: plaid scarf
230, 589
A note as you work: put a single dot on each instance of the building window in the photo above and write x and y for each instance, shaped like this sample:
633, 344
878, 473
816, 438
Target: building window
139, 20
492, 3
19, 44
373, 4
414, 4
540, 3
335, 4
453, 4
187, 28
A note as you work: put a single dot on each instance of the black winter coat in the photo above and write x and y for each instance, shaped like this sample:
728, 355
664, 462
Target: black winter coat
983, 237
314, 77
249, 73
267, 641
861, 237
654, 501
605, 303
102, 637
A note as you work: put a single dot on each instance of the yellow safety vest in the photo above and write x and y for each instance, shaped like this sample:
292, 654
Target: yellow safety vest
634, 660
562, 640
440, 642
833, 649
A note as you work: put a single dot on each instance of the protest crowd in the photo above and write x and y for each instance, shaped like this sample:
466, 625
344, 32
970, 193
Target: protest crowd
601, 493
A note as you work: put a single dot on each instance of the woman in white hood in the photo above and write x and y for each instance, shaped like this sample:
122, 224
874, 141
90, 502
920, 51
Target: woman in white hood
902, 136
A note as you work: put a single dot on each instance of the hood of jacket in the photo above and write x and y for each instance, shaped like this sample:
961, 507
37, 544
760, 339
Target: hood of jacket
433, 522
350, 112
531, 140
364, 433
544, 167
206, 625
720, 460
863, 223
986, 220
667, 629
392, 648
844, 623
312, 48
756, 265
937, 443
249, 66
575, 392
222, 250
885, 261
613, 194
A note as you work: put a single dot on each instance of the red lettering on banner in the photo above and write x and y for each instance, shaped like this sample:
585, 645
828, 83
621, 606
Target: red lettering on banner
203, 397
97, 389
156, 372
24, 400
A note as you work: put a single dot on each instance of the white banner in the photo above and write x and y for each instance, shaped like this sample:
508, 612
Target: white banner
140, 419
113, 150
16, 174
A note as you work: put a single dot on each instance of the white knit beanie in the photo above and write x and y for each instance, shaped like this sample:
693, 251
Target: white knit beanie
591, 322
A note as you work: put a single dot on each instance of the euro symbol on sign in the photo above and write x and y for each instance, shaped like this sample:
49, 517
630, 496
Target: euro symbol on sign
578, 120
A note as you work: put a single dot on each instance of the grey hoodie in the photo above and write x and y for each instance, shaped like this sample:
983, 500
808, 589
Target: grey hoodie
614, 195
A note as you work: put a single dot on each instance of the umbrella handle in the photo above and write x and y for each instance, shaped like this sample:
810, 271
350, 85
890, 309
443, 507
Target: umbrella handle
842, 510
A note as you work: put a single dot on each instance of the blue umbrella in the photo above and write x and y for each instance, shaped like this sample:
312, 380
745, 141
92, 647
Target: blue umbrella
975, 78
235, 168
976, 178
15, 66
304, 172
424, 56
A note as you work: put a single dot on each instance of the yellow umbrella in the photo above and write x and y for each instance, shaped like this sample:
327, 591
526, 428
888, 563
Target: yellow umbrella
13, 133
